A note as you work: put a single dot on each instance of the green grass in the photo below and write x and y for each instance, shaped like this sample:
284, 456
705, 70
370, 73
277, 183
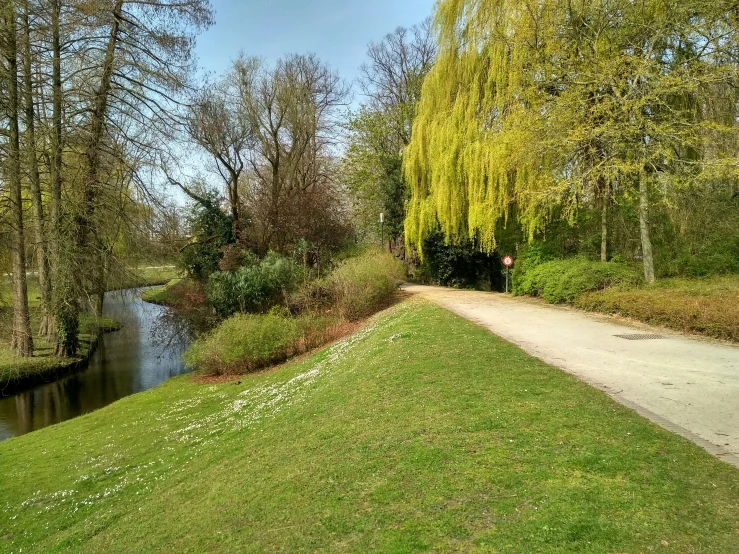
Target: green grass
44, 364
163, 295
421, 433
145, 277
707, 306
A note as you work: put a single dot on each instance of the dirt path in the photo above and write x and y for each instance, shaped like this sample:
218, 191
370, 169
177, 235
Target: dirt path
687, 385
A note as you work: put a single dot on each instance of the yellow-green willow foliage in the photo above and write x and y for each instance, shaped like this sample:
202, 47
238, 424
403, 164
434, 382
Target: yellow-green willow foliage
551, 103
472, 153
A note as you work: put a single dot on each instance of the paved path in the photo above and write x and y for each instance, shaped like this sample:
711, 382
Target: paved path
687, 385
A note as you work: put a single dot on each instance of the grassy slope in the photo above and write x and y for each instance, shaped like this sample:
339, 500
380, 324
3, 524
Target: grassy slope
162, 295
44, 362
708, 306
423, 432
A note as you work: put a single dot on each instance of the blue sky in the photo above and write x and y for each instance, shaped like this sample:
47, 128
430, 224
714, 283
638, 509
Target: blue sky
338, 31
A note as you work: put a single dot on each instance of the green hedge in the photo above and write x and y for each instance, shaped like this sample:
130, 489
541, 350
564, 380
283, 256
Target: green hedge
561, 281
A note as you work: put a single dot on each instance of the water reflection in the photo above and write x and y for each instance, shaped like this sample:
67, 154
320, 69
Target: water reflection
141, 356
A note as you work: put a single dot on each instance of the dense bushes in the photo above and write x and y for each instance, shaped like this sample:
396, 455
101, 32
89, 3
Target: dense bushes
255, 287
357, 288
460, 265
561, 281
212, 230
248, 342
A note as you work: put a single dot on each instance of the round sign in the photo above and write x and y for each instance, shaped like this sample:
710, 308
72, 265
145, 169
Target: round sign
508, 261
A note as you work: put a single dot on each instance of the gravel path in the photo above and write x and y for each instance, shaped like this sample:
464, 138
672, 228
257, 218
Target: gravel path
687, 385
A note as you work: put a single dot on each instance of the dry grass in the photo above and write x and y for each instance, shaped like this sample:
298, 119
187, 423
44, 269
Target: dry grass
708, 307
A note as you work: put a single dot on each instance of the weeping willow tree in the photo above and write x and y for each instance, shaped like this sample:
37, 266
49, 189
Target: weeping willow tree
544, 104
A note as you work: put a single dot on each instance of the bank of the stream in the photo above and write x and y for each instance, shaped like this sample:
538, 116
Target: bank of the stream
421, 433
143, 354
21, 373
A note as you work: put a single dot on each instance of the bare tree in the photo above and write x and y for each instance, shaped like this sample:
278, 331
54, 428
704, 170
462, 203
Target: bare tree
393, 77
31, 149
391, 81
217, 124
293, 112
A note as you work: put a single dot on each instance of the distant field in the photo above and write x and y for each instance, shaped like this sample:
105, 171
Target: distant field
421, 433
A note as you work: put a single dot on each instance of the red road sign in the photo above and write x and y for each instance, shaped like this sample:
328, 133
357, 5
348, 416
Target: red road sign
508, 261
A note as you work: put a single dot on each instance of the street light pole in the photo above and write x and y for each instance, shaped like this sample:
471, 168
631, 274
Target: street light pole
382, 231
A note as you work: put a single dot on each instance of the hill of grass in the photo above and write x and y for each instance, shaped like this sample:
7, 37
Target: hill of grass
422, 432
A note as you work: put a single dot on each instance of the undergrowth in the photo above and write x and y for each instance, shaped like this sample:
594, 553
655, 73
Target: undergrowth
318, 312
706, 306
248, 342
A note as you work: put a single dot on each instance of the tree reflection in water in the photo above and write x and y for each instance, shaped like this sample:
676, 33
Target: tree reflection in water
144, 354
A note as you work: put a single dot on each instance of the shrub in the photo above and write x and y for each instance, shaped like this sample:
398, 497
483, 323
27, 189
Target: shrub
460, 265
234, 257
253, 288
181, 294
212, 230
530, 257
706, 306
313, 296
249, 342
561, 281
362, 286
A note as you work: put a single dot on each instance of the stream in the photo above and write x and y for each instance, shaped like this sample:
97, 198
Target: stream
131, 360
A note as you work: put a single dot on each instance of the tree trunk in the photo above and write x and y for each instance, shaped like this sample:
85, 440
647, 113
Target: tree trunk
604, 222
97, 119
56, 172
646, 241
92, 186
35, 179
68, 314
22, 339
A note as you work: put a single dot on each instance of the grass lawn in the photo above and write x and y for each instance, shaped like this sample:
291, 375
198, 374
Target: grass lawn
421, 433
167, 294
146, 277
44, 364
707, 306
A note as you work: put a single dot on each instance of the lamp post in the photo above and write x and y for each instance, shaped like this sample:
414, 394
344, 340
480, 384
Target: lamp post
382, 230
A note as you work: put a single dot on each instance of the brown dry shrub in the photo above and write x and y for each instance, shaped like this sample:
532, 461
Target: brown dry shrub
715, 316
246, 343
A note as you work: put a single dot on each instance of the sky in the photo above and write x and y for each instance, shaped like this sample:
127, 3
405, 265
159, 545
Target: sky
338, 31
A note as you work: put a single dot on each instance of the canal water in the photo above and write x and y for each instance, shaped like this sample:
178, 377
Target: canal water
140, 356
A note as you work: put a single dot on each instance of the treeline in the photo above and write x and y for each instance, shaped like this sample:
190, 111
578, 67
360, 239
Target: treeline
89, 90
603, 127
